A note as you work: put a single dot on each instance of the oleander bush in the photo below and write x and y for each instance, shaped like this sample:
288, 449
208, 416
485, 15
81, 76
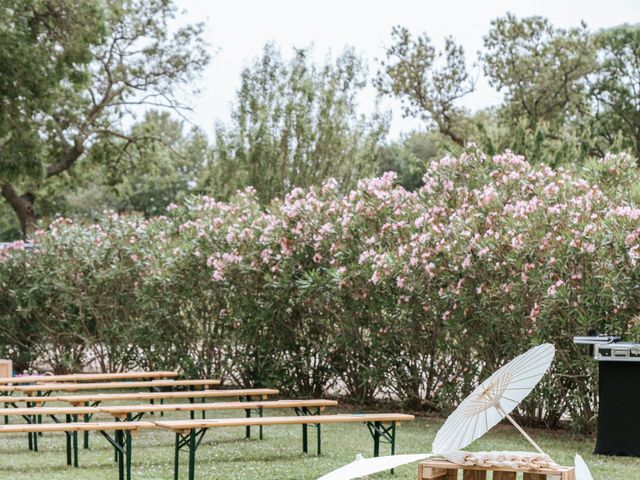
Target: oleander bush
376, 293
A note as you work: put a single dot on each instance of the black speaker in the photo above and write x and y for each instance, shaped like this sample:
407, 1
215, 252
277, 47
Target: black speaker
619, 415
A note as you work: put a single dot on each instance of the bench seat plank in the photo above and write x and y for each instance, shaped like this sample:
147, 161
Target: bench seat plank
189, 407
75, 427
169, 407
144, 396
74, 387
25, 399
183, 425
88, 377
81, 410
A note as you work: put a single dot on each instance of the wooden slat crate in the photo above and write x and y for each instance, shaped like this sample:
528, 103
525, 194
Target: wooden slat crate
445, 470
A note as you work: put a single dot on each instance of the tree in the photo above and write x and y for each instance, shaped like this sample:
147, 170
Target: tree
615, 88
410, 156
98, 62
295, 124
43, 49
147, 179
429, 83
542, 70
158, 174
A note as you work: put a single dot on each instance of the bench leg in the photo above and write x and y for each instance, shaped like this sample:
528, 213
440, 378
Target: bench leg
121, 441
192, 456
305, 441
127, 436
302, 412
189, 441
30, 438
75, 444
176, 460
380, 433
35, 434
247, 411
86, 433
376, 440
192, 413
247, 429
120, 457
68, 435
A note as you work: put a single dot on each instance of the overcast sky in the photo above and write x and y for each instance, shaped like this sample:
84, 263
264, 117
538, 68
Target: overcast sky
238, 29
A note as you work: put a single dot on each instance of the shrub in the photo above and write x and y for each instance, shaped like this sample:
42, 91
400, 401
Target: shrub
376, 292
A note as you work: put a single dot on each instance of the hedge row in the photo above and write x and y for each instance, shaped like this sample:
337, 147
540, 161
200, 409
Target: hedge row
379, 292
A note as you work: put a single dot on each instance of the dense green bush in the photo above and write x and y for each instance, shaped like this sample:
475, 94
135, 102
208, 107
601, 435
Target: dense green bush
377, 292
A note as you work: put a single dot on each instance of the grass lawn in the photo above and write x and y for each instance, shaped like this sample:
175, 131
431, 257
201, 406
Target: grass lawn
226, 455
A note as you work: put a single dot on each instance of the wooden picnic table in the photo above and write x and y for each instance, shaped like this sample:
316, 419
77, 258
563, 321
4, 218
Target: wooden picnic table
189, 433
75, 387
89, 377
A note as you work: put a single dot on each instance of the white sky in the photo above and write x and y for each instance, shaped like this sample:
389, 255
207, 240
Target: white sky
238, 29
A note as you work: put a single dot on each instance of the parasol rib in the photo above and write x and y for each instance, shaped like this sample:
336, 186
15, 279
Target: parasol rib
515, 424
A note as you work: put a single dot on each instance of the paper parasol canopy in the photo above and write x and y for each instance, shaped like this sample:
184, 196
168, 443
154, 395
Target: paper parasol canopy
366, 466
582, 471
494, 399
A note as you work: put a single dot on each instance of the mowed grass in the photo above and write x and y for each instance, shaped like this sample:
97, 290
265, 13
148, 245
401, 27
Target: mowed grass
225, 454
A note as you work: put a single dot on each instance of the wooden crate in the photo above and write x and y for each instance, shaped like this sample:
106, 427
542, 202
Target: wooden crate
6, 368
445, 470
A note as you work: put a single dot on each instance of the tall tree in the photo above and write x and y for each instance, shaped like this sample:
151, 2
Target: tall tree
429, 83
96, 62
615, 88
410, 155
150, 176
542, 70
295, 124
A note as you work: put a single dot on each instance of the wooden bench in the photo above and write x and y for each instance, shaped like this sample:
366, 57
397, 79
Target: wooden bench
48, 388
33, 415
97, 398
135, 412
88, 377
121, 440
445, 470
301, 407
94, 400
189, 433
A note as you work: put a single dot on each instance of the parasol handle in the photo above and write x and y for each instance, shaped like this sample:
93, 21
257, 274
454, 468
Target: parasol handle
524, 434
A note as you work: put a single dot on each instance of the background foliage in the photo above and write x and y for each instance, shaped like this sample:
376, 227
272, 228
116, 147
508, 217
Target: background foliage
376, 292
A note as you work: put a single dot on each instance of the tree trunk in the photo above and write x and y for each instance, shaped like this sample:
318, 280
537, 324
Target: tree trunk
23, 207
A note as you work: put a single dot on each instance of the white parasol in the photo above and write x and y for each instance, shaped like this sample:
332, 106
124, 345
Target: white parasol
366, 466
582, 471
494, 399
